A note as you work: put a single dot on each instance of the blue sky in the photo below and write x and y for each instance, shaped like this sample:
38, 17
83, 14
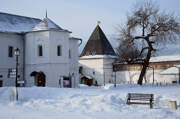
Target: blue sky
81, 16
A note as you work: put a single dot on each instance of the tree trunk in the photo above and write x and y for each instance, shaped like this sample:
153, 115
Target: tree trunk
143, 72
145, 65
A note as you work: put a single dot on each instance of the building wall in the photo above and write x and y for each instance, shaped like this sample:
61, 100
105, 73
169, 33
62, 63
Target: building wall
52, 65
132, 77
108, 70
124, 73
74, 65
100, 69
130, 73
51, 71
16, 41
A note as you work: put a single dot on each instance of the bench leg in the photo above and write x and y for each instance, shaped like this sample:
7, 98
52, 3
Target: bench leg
151, 105
128, 100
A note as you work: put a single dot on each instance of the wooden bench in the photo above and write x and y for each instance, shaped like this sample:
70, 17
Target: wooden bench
139, 98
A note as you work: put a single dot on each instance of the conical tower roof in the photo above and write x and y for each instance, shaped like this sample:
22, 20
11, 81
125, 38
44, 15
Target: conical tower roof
98, 44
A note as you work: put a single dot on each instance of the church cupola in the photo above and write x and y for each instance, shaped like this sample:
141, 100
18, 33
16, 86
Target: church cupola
46, 24
98, 44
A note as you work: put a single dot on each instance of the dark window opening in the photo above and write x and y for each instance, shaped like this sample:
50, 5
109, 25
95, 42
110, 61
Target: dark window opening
1, 83
58, 50
40, 50
10, 51
69, 53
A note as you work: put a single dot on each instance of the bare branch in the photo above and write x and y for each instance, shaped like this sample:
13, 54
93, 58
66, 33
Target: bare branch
147, 25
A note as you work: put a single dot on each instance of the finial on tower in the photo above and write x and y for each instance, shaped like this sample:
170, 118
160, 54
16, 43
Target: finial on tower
98, 22
46, 13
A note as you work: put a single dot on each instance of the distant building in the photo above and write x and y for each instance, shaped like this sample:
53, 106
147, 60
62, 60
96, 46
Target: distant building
48, 55
97, 62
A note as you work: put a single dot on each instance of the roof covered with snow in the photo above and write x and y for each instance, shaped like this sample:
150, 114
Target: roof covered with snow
98, 57
46, 24
20, 24
165, 58
16, 24
170, 71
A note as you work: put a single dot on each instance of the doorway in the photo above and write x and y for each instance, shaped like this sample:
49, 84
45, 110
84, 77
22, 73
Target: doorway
67, 82
1, 83
40, 78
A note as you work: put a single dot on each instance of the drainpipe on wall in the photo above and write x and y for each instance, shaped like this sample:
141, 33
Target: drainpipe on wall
80, 41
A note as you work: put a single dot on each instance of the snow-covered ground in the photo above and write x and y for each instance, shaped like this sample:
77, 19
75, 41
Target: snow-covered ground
88, 103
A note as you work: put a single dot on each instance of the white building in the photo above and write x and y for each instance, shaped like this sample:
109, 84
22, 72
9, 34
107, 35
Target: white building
48, 55
97, 57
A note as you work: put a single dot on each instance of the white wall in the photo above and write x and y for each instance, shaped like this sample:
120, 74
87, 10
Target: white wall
59, 38
52, 65
32, 40
132, 77
101, 66
74, 65
16, 41
52, 72
108, 70
93, 65
103, 70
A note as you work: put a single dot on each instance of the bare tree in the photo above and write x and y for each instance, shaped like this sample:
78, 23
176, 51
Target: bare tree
128, 52
148, 25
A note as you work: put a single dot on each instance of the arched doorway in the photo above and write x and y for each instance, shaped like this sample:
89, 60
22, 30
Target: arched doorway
40, 78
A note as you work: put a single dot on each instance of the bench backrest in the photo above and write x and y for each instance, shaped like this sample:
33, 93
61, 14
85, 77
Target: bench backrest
140, 96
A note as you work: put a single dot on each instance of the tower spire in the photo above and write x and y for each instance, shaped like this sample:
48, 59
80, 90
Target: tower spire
46, 13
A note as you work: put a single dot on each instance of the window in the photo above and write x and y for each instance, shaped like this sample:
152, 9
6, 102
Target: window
10, 51
11, 73
58, 50
69, 53
40, 50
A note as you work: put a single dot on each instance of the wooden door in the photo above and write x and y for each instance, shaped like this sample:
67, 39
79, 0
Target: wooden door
41, 81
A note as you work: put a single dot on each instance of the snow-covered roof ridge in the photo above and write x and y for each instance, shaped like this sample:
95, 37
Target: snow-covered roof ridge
16, 24
165, 58
46, 24
98, 56
21, 16
11, 23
